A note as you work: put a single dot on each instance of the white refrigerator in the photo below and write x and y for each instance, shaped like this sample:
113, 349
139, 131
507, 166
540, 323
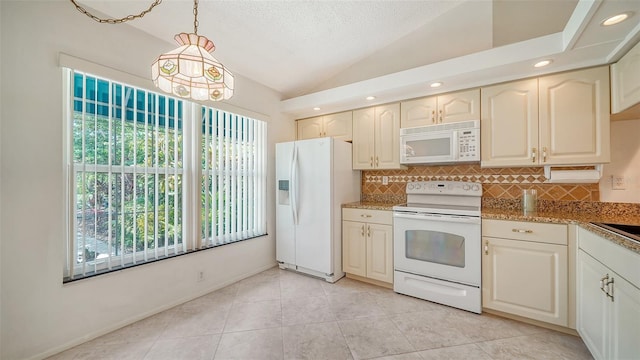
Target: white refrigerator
313, 179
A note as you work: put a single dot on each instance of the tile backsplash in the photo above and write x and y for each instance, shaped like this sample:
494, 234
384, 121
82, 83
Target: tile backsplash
498, 183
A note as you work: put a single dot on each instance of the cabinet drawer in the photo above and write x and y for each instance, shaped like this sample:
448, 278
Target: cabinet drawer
370, 216
524, 230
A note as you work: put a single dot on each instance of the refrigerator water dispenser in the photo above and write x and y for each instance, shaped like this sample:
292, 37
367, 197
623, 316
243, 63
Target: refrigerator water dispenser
283, 192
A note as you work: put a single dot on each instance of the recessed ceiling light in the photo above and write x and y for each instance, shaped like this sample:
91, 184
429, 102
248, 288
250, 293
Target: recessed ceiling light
316, 108
370, 98
436, 84
615, 19
543, 63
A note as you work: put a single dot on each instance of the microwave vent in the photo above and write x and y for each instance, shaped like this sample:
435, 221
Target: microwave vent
471, 124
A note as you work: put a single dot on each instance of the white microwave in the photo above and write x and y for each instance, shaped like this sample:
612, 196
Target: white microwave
441, 144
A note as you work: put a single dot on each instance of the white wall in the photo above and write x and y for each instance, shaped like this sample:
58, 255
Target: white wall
625, 161
39, 314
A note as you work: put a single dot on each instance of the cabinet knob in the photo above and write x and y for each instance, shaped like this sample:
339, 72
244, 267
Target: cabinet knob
377, 161
368, 231
371, 161
440, 120
365, 215
362, 231
486, 247
544, 154
522, 231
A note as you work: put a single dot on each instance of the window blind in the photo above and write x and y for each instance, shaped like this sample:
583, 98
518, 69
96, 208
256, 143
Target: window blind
233, 177
127, 172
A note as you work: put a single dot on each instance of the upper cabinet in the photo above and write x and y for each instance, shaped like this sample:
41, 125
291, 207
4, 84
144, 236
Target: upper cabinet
509, 123
574, 117
376, 138
625, 81
560, 119
337, 125
446, 108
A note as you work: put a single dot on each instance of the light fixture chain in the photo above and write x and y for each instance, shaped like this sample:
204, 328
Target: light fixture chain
115, 21
195, 17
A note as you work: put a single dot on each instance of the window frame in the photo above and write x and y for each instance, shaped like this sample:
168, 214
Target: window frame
191, 173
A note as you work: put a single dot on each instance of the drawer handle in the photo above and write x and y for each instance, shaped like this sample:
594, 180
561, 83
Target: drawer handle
365, 215
522, 231
603, 283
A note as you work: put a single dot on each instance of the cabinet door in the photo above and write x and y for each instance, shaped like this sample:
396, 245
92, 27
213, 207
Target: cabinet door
625, 320
625, 81
574, 117
339, 125
419, 112
380, 252
459, 106
509, 124
526, 278
354, 260
309, 128
363, 139
591, 304
387, 137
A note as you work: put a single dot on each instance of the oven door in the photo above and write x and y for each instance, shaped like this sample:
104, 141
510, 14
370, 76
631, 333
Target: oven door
446, 247
429, 147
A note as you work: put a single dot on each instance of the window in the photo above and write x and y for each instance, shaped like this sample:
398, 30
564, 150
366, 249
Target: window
137, 159
233, 177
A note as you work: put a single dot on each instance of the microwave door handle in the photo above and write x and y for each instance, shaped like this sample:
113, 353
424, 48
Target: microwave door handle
455, 151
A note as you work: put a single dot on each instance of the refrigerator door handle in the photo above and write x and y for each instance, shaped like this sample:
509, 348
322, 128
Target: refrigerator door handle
294, 185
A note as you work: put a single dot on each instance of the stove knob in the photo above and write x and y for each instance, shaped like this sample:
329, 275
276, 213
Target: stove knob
418, 186
409, 186
475, 187
466, 187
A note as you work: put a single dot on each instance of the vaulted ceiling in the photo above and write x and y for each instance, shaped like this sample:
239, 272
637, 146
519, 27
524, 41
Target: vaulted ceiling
332, 54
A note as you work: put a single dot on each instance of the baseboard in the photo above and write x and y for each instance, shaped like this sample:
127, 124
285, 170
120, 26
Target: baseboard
542, 324
370, 281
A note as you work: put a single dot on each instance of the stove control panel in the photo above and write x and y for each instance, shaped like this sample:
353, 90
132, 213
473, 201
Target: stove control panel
445, 187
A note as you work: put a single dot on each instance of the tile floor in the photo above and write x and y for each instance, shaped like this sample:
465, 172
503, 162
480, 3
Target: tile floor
283, 315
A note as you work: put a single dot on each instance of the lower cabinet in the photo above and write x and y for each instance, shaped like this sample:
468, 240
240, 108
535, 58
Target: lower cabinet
525, 270
608, 300
367, 244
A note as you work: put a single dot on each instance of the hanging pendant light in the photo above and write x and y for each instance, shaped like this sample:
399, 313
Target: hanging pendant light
190, 71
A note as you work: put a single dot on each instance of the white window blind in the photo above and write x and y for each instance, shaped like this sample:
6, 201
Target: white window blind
233, 177
127, 173
128, 203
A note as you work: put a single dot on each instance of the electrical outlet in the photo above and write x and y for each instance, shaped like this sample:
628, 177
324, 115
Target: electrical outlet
200, 276
385, 180
617, 182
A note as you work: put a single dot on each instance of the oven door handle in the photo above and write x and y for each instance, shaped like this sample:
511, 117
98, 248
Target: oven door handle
434, 217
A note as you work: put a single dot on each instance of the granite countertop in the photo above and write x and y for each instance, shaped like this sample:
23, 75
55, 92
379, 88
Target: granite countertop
582, 219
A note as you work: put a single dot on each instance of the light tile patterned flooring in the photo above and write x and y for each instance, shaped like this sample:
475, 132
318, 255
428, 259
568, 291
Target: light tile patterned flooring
279, 314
